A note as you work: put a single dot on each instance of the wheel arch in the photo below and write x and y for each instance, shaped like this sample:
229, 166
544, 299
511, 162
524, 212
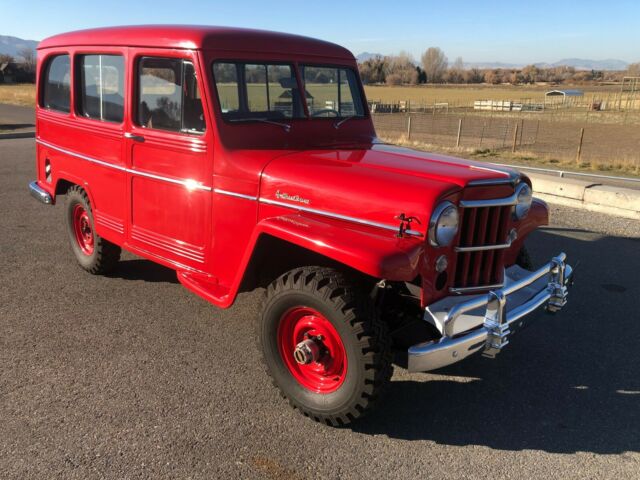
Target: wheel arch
301, 240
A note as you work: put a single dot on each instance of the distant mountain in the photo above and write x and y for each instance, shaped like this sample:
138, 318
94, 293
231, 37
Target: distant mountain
577, 63
364, 56
13, 45
483, 65
582, 64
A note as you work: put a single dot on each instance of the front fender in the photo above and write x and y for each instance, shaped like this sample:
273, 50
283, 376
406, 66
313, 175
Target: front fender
378, 253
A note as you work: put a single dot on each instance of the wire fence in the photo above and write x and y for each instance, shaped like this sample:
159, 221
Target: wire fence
601, 144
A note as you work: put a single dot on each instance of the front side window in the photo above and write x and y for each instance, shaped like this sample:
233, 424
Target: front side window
332, 92
168, 95
257, 91
101, 86
56, 90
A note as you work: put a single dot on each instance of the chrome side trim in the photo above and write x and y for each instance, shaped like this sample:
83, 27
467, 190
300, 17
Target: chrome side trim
82, 157
493, 202
187, 183
40, 193
474, 289
338, 216
493, 181
235, 194
483, 248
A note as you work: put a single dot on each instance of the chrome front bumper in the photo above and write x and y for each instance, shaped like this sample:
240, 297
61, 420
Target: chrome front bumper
484, 323
40, 193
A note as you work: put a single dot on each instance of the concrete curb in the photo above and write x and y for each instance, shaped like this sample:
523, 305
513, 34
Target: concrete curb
595, 197
12, 135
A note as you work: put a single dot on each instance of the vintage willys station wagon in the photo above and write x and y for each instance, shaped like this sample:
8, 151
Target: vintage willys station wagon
246, 159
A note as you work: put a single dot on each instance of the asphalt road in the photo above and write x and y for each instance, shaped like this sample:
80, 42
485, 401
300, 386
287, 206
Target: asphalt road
16, 116
132, 376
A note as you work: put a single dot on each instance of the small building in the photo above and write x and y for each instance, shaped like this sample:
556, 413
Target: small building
560, 96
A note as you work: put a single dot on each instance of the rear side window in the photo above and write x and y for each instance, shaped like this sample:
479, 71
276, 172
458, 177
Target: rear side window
168, 95
101, 87
56, 90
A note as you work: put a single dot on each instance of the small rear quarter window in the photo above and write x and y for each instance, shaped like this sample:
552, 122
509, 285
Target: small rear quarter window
56, 90
101, 87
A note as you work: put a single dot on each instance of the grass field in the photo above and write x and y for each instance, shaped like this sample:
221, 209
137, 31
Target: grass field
468, 93
23, 94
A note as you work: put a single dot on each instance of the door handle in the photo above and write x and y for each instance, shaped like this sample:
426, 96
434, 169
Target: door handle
135, 138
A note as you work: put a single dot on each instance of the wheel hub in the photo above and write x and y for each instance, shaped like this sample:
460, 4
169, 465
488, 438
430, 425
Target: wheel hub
307, 351
312, 350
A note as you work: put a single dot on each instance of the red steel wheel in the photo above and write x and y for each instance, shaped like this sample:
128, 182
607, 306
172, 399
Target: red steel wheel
324, 343
95, 254
82, 229
312, 350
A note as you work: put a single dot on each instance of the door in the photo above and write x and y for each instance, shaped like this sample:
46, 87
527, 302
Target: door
170, 160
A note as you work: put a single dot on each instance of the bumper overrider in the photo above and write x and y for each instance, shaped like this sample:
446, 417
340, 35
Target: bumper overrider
484, 322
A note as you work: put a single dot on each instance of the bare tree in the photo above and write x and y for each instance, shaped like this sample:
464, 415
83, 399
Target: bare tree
434, 63
374, 70
634, 70
402, 70
455, 74
4, 58
29, 59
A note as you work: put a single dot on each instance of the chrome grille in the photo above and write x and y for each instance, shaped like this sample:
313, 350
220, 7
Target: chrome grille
477, 267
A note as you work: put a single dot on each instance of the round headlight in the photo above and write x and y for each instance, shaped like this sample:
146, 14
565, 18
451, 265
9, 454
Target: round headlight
525, 197
443, 225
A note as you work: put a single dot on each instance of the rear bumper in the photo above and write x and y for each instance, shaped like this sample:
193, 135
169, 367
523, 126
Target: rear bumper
484, 322
40, 193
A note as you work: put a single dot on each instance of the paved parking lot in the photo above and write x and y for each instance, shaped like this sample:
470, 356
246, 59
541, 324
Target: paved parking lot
132, 376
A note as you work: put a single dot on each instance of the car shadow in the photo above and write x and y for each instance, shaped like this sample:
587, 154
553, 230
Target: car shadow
145, 270
570, 382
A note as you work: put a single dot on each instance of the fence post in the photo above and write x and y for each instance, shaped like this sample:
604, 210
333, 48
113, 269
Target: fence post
409, 127
515, 137
579, 154
459, 132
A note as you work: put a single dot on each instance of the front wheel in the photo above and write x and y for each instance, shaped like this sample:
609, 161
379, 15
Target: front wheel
324, 345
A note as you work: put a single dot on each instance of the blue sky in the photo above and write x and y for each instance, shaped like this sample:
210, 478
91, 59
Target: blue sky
505, 31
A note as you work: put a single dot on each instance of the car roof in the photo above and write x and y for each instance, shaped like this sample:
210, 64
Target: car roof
198, 37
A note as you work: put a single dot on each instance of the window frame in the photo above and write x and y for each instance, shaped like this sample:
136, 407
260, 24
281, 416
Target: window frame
137, 93
44, 81
242, 92
77, 60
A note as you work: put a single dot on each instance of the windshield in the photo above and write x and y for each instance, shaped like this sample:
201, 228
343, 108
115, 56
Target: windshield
268, 92
257, 91
332, 92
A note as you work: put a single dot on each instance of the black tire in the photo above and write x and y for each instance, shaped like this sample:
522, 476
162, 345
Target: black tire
104, 255
364, 335
524, 259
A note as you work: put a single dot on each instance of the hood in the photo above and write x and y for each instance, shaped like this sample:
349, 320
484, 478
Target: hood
373, 184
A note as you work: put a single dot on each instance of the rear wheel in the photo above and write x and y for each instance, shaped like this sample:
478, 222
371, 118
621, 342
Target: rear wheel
95, 254
324, 345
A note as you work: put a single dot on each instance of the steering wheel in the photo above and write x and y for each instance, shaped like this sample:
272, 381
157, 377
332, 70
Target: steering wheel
317, 113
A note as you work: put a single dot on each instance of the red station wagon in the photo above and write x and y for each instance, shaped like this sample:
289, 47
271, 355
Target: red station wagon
244, 159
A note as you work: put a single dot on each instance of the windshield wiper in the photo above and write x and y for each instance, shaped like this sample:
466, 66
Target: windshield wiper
286, 126
339, 123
